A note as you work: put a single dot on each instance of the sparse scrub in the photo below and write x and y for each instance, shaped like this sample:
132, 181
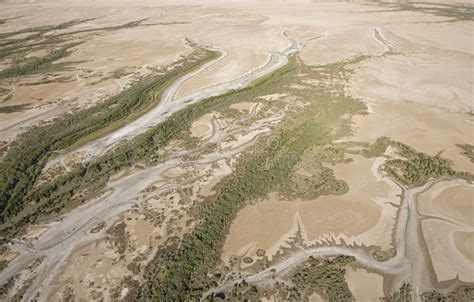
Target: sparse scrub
404, 294
467, 150
38, 40
5, 288
457, 11
38, 65
463, 293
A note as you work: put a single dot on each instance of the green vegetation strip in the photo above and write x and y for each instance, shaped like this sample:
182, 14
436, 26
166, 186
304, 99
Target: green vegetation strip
23, 163
37, 40
14, 108
463, 293
41, 29
457, 11
37, 65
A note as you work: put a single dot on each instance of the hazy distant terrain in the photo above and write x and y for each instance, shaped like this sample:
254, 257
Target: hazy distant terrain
236, 150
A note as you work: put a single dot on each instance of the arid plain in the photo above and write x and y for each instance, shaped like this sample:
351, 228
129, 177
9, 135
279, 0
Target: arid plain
238, 150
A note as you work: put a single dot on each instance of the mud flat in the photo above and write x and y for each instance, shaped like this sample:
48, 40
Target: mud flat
413, 125
202, 128
410, 114
365, 216
447, 209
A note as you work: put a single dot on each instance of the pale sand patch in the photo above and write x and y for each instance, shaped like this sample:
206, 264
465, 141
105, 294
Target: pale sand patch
315, 298
450, 241
269, 299
223, 170
243, 106
202, 128
234, 66
446, 80
364, 285
242, 139
437, 35
341, 43
140, 232
75, 158
174, 172
452, 200
265, 225
91, 265
303, 172
241, 58
448, 261
98, 266
457, 203
33, 232
363, 216
122, 173
38, 53
392, 152
420, 97
464, 242
272, 97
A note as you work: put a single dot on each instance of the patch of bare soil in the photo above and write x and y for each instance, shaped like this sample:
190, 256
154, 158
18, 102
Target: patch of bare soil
364, 285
